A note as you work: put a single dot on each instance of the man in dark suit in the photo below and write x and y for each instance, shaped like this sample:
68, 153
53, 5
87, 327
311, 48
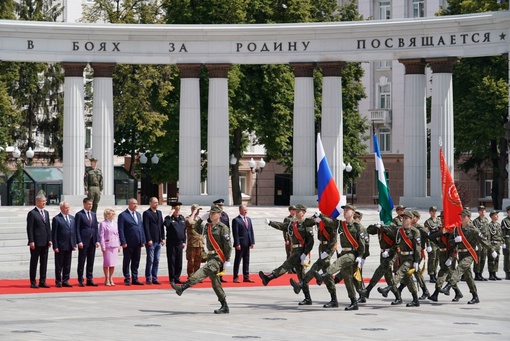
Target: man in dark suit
132, 239
87, 236
39, 240
63, 231
154, 236
244, 240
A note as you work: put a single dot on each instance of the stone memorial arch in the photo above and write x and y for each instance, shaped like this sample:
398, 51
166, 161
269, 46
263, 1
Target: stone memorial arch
438, 42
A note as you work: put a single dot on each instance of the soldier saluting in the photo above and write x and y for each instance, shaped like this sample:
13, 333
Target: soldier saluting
93, 182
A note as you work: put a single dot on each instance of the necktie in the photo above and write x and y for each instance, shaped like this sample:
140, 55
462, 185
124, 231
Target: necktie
88, 216
245, 222
67, 219
43, 216
134, 217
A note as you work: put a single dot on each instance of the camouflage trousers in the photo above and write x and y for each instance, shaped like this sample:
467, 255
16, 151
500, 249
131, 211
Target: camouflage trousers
194, 258
464, 268
344, 264
210, 269
94, 194
445, 272
402, 275
322, 264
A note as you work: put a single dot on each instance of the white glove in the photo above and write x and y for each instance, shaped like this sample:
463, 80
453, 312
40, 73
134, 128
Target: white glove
204, 216
317, 214
416, 266
362, 261
503, 246
428, 249
378, 224
385, 254
448, 262
458, 239
317, 220
303, 258
324, 255
358, 260
476, 248
267, 221
226, 264
494, 254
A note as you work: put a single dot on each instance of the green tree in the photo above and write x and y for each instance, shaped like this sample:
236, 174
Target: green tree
480, 94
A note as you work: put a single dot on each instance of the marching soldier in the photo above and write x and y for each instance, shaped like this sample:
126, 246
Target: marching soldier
352, 246
93, 184
397, 221
496, 239
424, 242
300, 231
408, 242
432, 225
219, 245
482, 224
465, 239
505, 230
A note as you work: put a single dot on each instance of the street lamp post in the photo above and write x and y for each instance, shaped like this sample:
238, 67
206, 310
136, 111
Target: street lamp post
348, 169
147, 190
20, 165
257, 170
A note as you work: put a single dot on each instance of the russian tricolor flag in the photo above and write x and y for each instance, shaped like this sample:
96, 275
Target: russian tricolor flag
329, 197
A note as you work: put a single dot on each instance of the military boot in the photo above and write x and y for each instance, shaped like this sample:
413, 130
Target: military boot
179, 288
426, 293
333, 303
265, 278
307, 300
223, 309
362, 299
433, 297
415, 302
338, 278
446, 289
491, 276
482, 278
398, 297
296, 285
507, 275
458, 295
433, 278
384, 291
496, 277
353, 306
366, 292
401, 287
320, 277
475, 299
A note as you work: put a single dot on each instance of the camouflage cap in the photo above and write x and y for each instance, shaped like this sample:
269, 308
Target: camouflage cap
292, 207
400, 207
300, 207
215, 209
408, 214
358, 214
432, 208
195, 206
466, 212
493, 213
350, 207
416, 214
481, 207
92, 159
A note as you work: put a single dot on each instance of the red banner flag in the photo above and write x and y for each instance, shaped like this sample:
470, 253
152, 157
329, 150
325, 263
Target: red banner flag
451, 200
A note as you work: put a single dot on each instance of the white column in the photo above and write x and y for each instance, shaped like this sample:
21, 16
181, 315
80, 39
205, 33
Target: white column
332, 119
441, 125
506, 201
103, 128
304, 165
73, 159
415, 133
217, 133
189, 133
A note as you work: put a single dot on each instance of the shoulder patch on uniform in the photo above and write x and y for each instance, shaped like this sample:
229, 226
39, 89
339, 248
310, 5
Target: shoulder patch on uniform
480, 234
227, 236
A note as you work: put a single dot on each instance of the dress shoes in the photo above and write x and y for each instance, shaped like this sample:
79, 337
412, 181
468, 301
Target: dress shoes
223, 280
156, 282
248, 280
236, 280
43, 285
91, 284
148, 282
34, 286
80, 284
58, 285
66, 285
178, 281
137, 283
127, 283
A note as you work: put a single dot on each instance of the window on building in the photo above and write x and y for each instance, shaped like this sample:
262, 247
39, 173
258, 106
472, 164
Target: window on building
242, 183
418, 8
384, 10
487, 185
383, 64
88, 137
384, 96
384, 139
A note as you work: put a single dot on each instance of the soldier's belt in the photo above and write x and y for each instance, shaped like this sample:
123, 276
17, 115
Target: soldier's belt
406, 253
347, 249
295, 246
443, 249
212, 252
462, 250
325, 242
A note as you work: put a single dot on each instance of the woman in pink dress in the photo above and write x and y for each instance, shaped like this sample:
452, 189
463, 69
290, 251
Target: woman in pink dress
110, 245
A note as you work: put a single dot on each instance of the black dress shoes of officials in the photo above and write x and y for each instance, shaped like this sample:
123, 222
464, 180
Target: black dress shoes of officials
91, 284
43, 285
137, 282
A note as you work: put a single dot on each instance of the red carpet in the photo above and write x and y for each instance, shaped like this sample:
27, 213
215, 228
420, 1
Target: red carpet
22, 286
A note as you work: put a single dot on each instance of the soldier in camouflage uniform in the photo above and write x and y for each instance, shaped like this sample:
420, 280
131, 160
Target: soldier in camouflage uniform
496, 239
424, 242
408, 247
482, 224
300, 231
464, 240
219, 245
397, 221
93, 184
505, 230
351, 247
432, 225
286, 237
194, 242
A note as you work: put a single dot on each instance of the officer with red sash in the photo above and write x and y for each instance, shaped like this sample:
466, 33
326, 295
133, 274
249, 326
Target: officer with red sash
464, 239
300, 231
219, 245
